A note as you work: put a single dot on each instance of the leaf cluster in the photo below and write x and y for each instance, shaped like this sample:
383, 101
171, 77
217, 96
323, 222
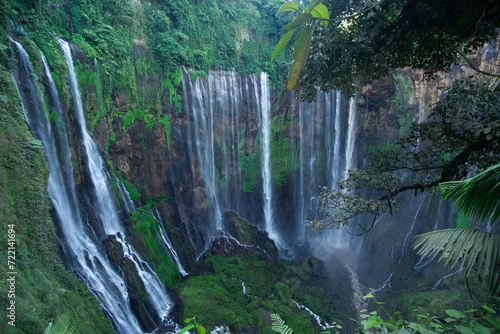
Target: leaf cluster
378, 36
473, 320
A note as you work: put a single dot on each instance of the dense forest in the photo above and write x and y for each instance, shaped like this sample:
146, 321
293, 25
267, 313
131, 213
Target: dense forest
253, 166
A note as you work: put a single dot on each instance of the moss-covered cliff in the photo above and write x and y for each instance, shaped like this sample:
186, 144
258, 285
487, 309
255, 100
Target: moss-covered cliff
127, 56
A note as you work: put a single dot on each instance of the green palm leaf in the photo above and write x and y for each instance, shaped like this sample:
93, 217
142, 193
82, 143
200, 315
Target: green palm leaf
479, 196
476, 250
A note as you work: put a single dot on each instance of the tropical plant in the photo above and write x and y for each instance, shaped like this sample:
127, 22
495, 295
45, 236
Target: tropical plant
365, 39
478, 251
314, 15
480, 320
61, 326
191, 324
279, 325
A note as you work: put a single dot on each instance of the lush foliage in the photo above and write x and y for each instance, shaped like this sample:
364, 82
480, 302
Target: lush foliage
45, 289
365, 39
459, 137
483, 319
147, 225
477, 250
245, 289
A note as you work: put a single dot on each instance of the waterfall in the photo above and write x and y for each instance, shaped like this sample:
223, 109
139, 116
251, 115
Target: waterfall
126, 199
351, 137
167, 244
265, 104
83, 253
213, 109
336, 148
104, 281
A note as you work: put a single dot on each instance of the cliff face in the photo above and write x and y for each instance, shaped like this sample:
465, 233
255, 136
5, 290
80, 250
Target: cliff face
386, 109
189, 148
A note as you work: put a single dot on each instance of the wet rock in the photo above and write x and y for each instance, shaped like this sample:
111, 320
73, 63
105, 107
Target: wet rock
317, 267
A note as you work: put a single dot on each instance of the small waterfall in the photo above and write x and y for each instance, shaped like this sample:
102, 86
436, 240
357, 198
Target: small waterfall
125, 195
107, 212
336, 147
167, 244
445, 277
265, 104
423, 198
314, 315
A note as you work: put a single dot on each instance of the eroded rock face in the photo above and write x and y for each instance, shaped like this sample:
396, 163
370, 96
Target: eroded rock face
249, 235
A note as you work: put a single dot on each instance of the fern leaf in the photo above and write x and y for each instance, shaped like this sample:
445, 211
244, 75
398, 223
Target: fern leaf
279, 325
61, 326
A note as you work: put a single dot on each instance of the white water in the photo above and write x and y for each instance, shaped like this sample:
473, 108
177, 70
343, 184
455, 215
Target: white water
107, 212
167, 244
202, 115
445, 277
91, 265
126, 199
314, 315
422, 200
336, 149
351, 137
265, 107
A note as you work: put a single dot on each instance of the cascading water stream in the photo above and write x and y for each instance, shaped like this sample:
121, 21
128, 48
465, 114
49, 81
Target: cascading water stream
83, 254
167, 245
265, 104
351, 137
202, 111
105, 204
126, 199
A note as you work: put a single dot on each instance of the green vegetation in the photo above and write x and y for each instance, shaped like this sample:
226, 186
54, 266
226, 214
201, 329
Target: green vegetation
250, 164
44, 288
364, 40
270, 287
147, 225
133, 192
281, 151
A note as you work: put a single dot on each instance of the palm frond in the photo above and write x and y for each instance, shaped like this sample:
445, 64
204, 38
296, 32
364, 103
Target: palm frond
279, 325
477, 197
476, 250
61, 326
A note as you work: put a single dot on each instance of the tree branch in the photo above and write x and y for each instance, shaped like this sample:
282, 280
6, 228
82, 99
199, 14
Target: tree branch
474, 67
